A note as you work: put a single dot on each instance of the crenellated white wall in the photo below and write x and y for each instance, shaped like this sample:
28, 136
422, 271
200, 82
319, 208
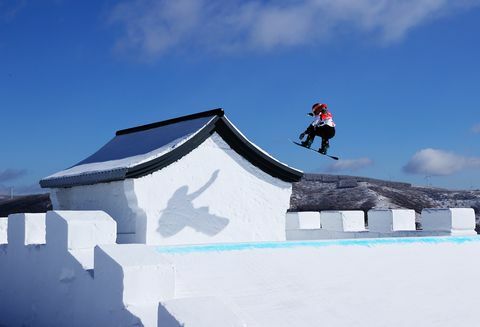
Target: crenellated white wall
211, 195
115, 198
64, 269
350, 224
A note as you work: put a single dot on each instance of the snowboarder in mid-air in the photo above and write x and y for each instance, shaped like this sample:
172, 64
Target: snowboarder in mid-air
322, 126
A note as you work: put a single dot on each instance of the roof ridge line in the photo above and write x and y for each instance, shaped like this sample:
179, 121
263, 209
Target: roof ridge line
214, 112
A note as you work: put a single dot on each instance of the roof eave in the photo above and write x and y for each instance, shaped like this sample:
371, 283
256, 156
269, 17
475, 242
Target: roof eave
173, 155
219, 124
84, 179
234, 139
256, 157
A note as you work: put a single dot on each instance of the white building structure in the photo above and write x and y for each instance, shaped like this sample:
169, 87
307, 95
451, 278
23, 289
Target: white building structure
192, 179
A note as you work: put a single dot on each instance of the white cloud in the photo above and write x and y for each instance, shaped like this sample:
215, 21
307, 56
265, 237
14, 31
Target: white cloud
11, 174
350, 164
435, 162
476, 129
155, 27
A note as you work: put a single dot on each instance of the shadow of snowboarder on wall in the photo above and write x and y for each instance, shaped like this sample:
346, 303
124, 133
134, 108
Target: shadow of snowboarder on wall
181, 213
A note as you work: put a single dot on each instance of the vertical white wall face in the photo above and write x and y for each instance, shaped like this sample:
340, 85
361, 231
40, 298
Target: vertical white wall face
3, 230
458, 221
302, 220
212, 195
343, 220
116, 198
391, 220
26, 228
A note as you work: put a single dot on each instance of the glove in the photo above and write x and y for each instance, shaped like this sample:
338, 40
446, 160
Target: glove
310, 114
302, 135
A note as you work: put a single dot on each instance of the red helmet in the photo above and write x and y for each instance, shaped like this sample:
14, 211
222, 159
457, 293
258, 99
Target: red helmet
319, 106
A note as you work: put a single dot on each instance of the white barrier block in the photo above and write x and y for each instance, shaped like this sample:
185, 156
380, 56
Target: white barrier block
303, 220
197, 312
391, 220
26, 229
80, 229
144, 275
323, 234
3, 230
457, 221
343, 221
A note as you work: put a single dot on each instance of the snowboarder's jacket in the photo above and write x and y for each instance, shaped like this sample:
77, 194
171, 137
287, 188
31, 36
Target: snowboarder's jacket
324, 118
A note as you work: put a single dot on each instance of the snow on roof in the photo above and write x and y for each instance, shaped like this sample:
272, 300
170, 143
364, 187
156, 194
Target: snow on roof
125, 151
256, 146
140, 150
130, 145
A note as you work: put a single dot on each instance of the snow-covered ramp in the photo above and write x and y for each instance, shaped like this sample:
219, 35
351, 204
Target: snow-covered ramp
381, 282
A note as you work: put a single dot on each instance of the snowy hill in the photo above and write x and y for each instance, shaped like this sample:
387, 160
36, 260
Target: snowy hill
316, 192
25, 203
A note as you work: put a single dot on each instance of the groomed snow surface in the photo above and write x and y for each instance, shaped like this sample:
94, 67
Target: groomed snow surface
76, 275
342, 283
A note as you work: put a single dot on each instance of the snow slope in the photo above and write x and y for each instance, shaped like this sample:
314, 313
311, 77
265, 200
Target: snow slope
383, 282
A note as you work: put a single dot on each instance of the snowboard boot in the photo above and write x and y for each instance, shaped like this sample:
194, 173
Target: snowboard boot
309, 131
308, 142
325, 146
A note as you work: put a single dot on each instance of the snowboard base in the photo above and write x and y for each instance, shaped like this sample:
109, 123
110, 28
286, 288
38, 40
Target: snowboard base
303, 146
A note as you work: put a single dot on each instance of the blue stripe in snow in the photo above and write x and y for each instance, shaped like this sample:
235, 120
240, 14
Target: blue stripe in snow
314, 244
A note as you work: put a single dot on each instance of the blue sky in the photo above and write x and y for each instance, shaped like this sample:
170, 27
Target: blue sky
402, 79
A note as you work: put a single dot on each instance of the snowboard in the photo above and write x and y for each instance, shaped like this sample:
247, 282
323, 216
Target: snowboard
300, 144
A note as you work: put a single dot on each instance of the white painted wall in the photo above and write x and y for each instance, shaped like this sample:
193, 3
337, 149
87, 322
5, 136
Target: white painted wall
302, 220
3, 230
57, 283
458, 221
26, 228
212, 195
116, 198
382, 223
323, 234
179, 203
391, 220
343, 220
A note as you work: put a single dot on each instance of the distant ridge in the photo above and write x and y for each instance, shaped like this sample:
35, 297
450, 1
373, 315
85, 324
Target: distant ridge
26, 203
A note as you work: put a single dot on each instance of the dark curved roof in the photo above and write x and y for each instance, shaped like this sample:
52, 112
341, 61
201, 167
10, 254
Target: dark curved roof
177, 137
